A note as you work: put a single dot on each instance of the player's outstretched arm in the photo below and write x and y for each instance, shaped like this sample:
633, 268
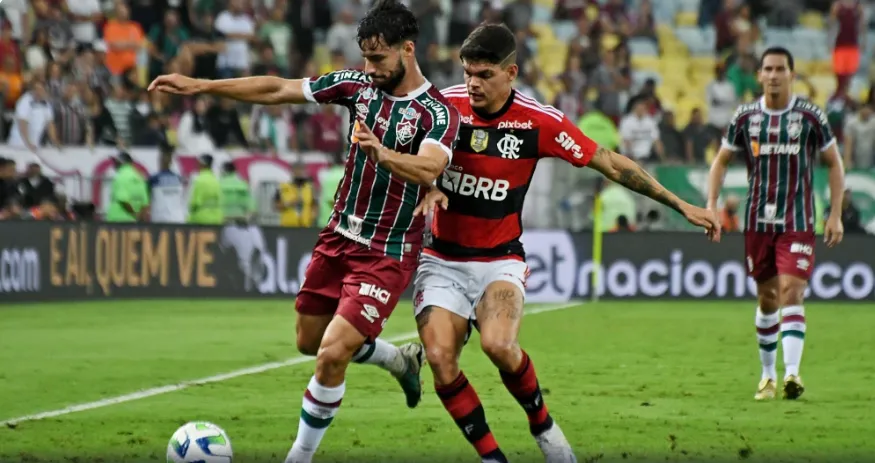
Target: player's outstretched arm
266, 90
628, 173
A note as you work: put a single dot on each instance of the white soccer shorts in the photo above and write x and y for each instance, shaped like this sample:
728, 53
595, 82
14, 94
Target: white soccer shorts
458, 286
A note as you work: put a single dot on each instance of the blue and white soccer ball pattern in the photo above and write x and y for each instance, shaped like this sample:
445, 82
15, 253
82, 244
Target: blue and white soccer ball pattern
199, 442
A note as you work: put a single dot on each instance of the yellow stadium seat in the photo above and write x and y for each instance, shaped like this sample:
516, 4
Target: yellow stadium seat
686, 18
811, 20
647, 63
821, 67
543, 31
703, 63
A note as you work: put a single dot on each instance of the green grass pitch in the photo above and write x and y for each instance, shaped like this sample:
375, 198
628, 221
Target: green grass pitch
628, 381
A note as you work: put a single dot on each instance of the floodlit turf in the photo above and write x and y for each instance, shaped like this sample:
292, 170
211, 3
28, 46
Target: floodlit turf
639, 381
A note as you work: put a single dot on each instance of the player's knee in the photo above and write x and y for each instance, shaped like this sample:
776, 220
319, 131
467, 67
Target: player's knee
333, 356
443, 362
501, 349
792, 294
769, 300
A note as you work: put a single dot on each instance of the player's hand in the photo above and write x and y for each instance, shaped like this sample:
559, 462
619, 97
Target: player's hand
177, 84
705, 218
369, 142
430, 201
834, 230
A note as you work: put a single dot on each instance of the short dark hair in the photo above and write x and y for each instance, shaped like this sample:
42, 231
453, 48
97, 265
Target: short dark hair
390, 21
779, 51
489, 43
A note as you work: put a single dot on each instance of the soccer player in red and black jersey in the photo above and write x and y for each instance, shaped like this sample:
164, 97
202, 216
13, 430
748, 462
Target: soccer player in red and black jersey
781, 137
404, 134
475, 268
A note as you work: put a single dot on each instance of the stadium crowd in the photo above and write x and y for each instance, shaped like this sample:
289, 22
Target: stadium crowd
73, 73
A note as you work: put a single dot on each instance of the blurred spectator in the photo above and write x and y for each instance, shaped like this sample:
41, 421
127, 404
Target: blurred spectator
623, 225
193, 132
445, 72
600, 128
426, 12
639, 134
838, 107
725, 29
463, 19
71, 119
673, 141
167, 191
568, 100
342, 34
15, 12
527, 83
101, 128
11, 83
205, 202
35, 187
124, 38
85, 15
642, 21
90, 68
165, 42
205, 46
729, 220
10, 197
50, 19
9, 50
39, 53
721, 99
275, 132
154, 133
47, 209
223, 122
267, 65
651, 221
238, 206
850, 214
55, 79
698, 137
860, 139
120, 107
239, 30
615, 18
278, 35
518, 15
34, 118
647, 95
610, 84
742, 75
848, 23
324, 130
570, 9
295, 200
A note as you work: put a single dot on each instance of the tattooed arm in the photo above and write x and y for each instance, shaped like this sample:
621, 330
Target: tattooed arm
628, 173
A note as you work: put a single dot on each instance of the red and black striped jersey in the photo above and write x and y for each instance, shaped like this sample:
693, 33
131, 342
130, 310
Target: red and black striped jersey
371, 206
491, 170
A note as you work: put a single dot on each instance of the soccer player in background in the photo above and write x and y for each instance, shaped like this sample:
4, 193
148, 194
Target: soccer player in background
780, 137
474, 269
167, 191
365, 258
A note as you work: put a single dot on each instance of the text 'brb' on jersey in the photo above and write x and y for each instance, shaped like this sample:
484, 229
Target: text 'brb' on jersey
781, 150
491, 171
371, 206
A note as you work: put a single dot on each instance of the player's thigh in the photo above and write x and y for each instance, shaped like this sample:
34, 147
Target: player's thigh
759, 255
794, 259
371, 289
500, 307
441, 283
443, 334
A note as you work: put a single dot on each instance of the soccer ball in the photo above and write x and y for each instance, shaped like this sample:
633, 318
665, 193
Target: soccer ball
201, 442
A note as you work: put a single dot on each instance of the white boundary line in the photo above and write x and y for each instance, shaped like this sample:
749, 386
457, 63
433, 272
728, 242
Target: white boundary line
145, 393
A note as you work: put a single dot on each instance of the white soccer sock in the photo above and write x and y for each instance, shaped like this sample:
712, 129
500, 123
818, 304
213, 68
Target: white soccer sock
383, 354
318, 410
792, 337
767, 338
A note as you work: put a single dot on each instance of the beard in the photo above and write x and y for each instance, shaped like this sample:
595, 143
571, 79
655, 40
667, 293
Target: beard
390, 83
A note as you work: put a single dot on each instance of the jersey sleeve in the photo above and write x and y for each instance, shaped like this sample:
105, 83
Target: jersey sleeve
338, 87
444, 130
733, 137
823, 131
562, 139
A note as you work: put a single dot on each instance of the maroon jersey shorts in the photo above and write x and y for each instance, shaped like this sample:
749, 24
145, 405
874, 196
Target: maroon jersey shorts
348, 279
770, 254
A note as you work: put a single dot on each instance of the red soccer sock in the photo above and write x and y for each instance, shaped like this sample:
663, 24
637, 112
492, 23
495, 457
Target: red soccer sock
523, 386
460, 399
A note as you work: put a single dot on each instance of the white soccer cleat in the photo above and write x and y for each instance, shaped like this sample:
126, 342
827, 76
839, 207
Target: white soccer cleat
296, 456
413, 354
555, 446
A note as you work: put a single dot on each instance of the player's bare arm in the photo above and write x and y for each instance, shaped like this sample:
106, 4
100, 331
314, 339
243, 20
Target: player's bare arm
834, 230
716, 176
628, 173
266, 90
422, 168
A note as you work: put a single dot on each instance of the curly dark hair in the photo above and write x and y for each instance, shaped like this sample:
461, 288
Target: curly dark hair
489, 43
388, 20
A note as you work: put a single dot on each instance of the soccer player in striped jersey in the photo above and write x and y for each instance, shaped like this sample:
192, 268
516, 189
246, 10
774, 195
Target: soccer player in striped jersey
475, 268
781, 137
403, 135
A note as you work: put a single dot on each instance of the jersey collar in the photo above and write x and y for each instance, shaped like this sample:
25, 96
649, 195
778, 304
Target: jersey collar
410, 96
501, 112
776, 112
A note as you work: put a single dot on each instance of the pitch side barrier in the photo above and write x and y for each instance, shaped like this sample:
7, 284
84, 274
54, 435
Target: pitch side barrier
49, 261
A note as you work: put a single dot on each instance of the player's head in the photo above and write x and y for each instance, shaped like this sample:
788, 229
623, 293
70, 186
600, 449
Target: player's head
489, 58
776, 71
387, 37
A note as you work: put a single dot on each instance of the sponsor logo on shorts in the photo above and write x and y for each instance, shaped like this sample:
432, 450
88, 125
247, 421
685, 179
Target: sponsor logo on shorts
380, 294
802, 264
370, 313
418, 298
800, 248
